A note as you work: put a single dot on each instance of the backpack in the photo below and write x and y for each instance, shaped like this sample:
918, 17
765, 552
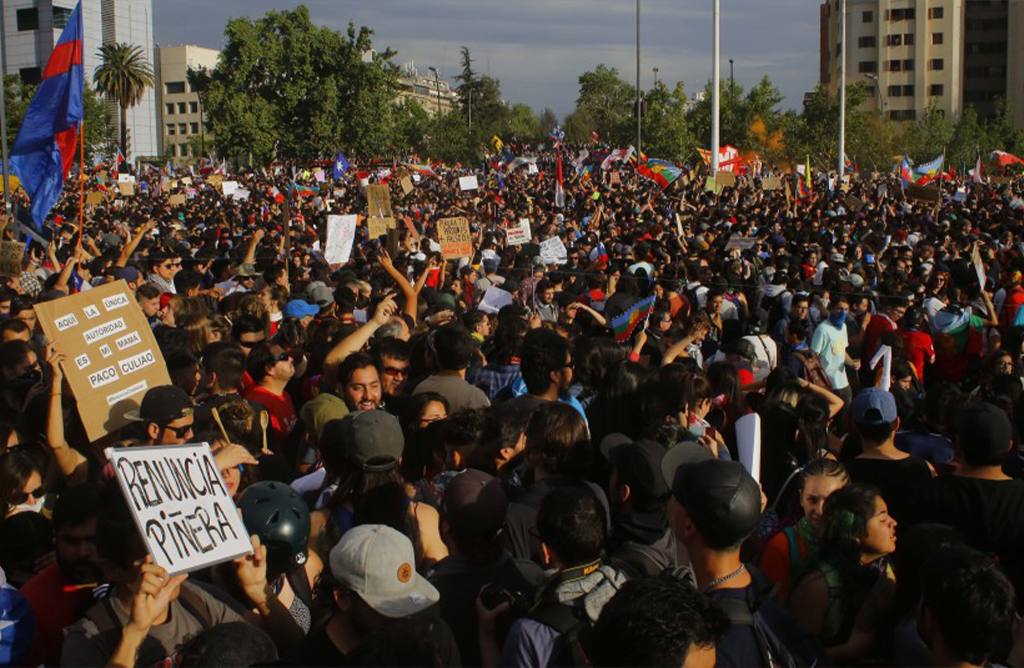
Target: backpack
781, 640
773, 305
640, 560
574, 633
813, 371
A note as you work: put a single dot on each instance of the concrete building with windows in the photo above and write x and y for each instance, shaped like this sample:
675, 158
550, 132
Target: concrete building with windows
433, 93
181, 113
917, 53
32, 27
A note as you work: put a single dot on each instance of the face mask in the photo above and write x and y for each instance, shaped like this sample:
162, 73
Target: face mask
838, 318
31, 507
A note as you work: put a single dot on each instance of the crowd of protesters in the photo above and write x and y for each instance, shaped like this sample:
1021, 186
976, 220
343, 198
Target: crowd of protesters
430, 481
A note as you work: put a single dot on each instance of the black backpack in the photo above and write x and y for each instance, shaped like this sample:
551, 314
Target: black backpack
574, 632
781, 640
773, 305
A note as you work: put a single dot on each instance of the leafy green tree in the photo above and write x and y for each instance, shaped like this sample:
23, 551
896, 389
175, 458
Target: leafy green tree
929, 136
608, 103
547, 121
523, 124
666, 131
98, 133
451, 141
413, 124
579, 125
969, 137
817, 135
1003, 133
199, 79
123, 76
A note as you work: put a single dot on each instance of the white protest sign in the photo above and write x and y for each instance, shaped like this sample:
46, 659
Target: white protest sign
979, 268
532, 168
468, 183
241, 193
961, 195
125, 178
520, 234
229, 187
884, 355
494, 299
341, 232
181, 505
748, 442
552, 251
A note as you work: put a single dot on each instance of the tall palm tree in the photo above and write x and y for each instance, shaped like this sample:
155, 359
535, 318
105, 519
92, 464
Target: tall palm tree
123, 77
199, 79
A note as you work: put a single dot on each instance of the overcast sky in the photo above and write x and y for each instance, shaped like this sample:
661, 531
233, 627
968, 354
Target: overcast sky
538, 48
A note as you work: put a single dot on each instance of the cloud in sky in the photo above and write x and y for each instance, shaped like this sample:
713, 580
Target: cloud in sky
538, 48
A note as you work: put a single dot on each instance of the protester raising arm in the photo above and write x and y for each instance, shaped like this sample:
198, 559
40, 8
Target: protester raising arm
355, 341
73, 465
410, 293
65, 272
250, 252
152, 595
134, 242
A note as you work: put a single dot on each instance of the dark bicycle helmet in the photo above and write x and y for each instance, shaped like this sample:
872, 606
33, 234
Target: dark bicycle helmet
277, 514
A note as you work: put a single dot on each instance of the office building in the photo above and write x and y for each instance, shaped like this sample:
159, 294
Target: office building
917, 53
32, 27
433, 93
181, 112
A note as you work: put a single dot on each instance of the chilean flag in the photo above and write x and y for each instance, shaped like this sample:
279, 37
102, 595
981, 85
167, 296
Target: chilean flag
559, 185
45, 148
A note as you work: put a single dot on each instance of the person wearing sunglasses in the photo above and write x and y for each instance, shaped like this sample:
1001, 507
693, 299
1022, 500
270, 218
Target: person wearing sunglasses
164, 268
166, 416
21, 484
271, 367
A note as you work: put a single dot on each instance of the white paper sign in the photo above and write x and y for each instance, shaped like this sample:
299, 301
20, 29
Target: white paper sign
979, 268
125, 178
229, 187
532, 168
341, 232
494, 299
241, 193
520, 234
748, 442
468, 183
961, 195
181, 505
552, 251
884, 355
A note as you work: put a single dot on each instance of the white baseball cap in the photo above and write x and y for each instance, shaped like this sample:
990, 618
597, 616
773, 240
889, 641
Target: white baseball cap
379, 564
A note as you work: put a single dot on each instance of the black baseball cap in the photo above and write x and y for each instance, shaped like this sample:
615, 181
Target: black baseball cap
721, 498
475, 504
984, 433
161, 405
371, 434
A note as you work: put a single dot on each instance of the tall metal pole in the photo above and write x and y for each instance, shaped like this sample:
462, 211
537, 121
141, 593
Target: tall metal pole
716, 67
842, 92
437, 87
3, 115
638, 121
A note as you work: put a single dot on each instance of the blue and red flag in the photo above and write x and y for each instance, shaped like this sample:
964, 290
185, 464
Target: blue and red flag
45, 148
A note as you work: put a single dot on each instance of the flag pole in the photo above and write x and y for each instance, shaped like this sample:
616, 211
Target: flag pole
715, 85
81, 180
3, 117
842, 93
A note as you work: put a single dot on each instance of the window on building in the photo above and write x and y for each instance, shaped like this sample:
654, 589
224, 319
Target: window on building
174, 87
901, 14
169, 108
867, 17
895, 40
937, 38
171, 129
193, 128
870, 92
936, 90
182, 128
908, 39
867, 66
61, 16
903, 115
901, 91
866, 42
28, 19
936, 12
895, 66
193, 107
937, 64
30, 75
908, 65
181, 107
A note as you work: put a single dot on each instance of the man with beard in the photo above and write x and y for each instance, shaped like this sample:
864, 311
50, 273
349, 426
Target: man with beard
57, 592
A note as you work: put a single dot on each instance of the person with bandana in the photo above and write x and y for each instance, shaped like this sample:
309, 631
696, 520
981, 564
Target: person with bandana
830, 341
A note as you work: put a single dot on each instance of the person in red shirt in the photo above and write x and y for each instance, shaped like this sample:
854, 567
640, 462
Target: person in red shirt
57, 592
893, 309
270, 368
1014, 300
918, 347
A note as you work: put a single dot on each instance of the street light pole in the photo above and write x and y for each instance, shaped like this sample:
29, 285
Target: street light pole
716, 66
638, 121
437, 87
655, 76
3, 115
842, 92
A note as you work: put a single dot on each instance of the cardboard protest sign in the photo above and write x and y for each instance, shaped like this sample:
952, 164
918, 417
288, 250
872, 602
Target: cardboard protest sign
94, 198
379, 226
772, 183
712, 185
468, 183
10, 257
229, 188
341, 232
412, 228
520, 234
127, 189
552, 251
454, 238
923, 193
979, 266
406, 185
614, 179
176, 200
187, 180
181, 505
853, 203
392, 245
214, 180
378, 201
725, 179
112, 356
743, 243
1000, 180
494, 299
